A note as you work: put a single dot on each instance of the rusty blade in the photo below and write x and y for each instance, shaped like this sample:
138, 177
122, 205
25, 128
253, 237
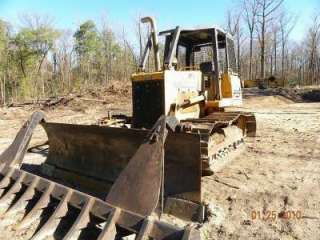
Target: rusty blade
16, 151
137, 189
93, 157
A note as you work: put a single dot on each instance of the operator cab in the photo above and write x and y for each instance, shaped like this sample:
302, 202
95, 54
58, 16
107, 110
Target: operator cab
210, 50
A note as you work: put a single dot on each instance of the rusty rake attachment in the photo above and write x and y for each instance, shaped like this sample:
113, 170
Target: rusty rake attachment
92, 218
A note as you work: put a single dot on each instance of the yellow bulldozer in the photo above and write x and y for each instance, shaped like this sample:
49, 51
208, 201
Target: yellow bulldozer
120, 176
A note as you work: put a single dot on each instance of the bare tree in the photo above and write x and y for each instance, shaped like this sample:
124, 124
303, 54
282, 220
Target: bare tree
62, 60
275, 41
139, 32
250, 17
313, 51
141, 36
4, 48
233, 25
286, 24
265, 12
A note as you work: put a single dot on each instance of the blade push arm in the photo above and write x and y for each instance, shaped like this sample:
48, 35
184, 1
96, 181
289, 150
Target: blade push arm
139, 185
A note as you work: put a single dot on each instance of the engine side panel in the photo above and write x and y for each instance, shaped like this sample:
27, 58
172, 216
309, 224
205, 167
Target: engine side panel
180, 86
148, 102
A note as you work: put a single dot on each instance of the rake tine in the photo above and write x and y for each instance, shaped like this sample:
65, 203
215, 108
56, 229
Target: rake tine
189, 234
6, 180
26, 196
42, 203
82, 220
48, 228
145, 230
14, 188
109, 231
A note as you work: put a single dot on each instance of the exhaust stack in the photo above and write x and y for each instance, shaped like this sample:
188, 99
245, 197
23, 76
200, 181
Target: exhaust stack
154, 40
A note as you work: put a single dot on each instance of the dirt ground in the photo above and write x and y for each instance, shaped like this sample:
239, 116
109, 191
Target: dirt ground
269, 191
279, 172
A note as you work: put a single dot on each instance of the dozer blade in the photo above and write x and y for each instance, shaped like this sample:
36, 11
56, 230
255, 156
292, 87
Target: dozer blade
92, 158
47, 208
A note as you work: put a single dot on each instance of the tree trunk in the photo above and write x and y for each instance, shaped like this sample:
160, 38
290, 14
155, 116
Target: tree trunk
275, 53
271, 64
262, 52
2, 92
238, 51
283, 62
140, 42
250, 60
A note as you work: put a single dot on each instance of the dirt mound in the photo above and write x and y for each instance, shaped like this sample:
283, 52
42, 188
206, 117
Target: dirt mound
282, 95
264, 97
299, 94
268, 101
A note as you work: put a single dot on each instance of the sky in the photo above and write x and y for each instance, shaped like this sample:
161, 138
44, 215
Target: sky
68, 14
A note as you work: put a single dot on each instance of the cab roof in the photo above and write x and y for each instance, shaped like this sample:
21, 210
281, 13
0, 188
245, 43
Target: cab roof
198, 36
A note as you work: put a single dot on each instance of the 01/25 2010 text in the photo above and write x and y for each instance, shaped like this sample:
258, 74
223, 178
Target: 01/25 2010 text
273, 215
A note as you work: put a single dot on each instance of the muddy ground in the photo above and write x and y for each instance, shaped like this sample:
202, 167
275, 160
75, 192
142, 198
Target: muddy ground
270, 191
